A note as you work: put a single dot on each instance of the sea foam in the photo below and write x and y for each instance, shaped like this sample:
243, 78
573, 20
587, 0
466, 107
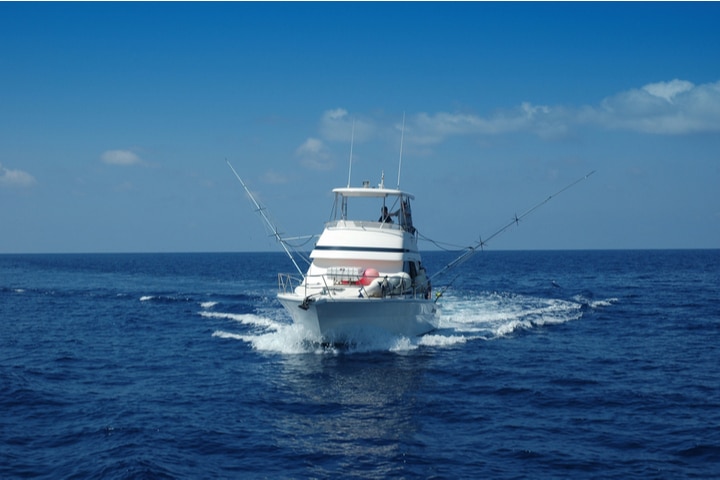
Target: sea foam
485, 316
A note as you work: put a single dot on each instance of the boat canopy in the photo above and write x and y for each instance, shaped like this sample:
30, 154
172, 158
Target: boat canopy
371, 192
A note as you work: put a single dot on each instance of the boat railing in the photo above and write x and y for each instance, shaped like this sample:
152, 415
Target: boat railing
364, 225
334, 285
287, 282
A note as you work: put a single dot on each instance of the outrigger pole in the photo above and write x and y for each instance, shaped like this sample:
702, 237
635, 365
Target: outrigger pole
268, 222
472, 250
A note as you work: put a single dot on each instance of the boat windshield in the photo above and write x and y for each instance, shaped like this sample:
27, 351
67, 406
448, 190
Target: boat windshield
373, 205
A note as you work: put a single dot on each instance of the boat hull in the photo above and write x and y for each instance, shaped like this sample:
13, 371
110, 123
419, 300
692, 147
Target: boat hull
343, 319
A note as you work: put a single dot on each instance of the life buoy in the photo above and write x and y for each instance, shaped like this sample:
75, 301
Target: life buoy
369, 275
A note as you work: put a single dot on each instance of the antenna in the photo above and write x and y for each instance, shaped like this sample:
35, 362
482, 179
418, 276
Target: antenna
352, 140
402, 136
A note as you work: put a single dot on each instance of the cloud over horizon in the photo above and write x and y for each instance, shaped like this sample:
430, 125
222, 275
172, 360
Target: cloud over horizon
677, 107
338, 126
15, 178
120, 157
314, 154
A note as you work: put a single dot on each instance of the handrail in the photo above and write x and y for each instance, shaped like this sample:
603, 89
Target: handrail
288, 283
363, 224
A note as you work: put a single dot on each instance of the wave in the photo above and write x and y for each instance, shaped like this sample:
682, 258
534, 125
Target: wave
274, 338
243, 318
487, 316
166, 298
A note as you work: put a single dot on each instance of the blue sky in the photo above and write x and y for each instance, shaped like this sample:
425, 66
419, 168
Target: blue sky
116, 120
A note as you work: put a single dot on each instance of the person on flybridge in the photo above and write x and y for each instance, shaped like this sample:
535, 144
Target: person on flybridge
384, 216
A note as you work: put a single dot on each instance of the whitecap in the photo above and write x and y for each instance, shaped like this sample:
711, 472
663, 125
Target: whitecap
221, 334
436, 340
603, 303
244, 318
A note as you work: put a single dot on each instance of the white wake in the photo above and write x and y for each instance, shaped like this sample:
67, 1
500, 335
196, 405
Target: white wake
486, 316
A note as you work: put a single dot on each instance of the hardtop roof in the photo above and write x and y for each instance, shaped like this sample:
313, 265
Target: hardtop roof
371, 192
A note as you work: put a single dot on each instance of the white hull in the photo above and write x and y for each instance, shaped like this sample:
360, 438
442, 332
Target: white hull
366, 276
340, 319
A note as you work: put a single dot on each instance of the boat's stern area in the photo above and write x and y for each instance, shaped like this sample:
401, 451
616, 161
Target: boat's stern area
358, 282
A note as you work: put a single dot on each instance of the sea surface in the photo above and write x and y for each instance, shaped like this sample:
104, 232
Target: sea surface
547, 364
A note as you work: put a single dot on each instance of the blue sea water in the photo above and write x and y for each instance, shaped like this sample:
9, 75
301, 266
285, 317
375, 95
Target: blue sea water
565, 364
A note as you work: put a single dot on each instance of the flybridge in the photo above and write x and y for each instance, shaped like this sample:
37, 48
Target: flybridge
390, 207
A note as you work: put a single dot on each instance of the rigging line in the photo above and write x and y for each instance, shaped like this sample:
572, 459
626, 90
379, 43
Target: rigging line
307, 238
297, 246
439, 244
268, 222
472, 250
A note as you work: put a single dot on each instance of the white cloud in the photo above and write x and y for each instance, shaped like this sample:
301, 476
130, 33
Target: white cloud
426, 129
120, 157
339, 126
314, 155
312, 146
668, 90
15, 178
677, 107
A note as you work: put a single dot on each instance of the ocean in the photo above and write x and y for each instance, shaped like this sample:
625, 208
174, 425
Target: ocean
547, 364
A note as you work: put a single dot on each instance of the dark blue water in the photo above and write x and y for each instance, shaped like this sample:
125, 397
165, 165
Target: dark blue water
548, 365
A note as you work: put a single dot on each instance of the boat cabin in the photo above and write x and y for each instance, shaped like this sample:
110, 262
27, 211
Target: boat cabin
370, 235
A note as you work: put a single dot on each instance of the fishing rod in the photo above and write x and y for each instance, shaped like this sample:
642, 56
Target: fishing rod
473, 249
268, 222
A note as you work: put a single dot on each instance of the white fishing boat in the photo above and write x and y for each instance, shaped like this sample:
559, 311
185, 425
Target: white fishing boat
366, 273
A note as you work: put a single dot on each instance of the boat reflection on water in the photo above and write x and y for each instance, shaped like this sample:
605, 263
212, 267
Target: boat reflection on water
358, 409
